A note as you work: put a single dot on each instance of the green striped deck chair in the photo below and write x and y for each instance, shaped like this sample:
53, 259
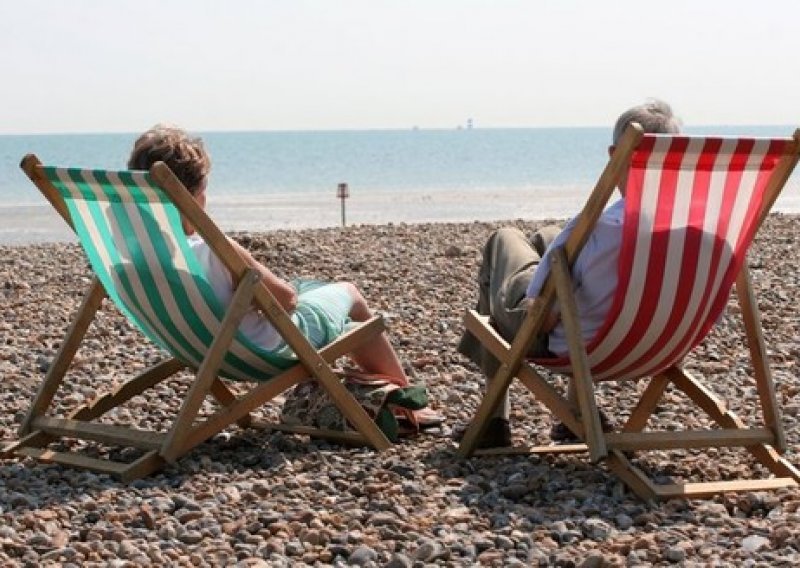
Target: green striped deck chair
129, 225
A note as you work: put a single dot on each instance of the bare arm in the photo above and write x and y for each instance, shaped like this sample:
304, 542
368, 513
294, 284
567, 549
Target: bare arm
284, 293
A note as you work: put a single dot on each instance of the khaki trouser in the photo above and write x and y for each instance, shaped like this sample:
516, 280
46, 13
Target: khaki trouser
509, 261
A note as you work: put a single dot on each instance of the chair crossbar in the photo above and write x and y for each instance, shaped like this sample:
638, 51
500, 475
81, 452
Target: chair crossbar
145, 465
728, 437
553, 449
702, 490
103, 433
347, 438
75, 460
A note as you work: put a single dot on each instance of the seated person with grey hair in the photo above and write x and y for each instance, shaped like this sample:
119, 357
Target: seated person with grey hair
514, 270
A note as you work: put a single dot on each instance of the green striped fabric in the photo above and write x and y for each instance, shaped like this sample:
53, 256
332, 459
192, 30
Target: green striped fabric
135, 242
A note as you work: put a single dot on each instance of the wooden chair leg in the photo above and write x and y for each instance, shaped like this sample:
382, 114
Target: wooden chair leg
581, 371
758, 355
135, 386
718, 412
309, 357
225, 397
102, 404
495, 392
66, 353
264, 392
149, 463
541, 389
174, 444
353, 412
631, 475
647, 403
243, 405
511, 359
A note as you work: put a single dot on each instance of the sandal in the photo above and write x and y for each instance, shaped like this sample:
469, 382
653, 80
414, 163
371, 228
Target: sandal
428, 418
422, 419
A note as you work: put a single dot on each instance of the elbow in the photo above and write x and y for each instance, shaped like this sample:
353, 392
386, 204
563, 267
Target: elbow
290, 304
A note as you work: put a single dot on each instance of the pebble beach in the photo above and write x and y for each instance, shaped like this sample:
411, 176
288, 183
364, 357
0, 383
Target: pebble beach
265, 498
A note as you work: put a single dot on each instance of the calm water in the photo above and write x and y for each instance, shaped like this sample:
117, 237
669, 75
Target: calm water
269, 180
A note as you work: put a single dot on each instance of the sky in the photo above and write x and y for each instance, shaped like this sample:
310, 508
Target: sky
121, 66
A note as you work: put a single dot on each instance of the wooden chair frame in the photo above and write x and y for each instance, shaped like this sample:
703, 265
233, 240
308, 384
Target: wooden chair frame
765, 443
38, 429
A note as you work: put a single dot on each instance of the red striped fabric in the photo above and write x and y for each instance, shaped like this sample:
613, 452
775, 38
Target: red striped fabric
691, 211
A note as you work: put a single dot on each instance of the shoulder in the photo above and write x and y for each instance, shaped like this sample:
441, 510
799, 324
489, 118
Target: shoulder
196, 241
615, 212
202, 251
610, 222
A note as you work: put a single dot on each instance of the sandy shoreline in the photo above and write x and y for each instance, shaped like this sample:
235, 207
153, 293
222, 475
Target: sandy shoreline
37, 222
270, 499
27, 224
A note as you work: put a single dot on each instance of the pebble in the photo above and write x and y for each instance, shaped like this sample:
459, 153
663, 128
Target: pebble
251, 498
755, 543
596, 529
675, 554
399, 560
624, 522
362, 556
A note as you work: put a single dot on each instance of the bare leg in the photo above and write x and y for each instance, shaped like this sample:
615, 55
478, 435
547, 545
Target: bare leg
376, 355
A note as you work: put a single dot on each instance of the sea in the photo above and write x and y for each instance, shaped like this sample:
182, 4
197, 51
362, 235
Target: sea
263, 181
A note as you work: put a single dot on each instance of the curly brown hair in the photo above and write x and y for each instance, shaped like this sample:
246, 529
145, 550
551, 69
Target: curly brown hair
185, 155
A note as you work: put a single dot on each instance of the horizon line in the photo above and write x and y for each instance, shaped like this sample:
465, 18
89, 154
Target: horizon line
378, 129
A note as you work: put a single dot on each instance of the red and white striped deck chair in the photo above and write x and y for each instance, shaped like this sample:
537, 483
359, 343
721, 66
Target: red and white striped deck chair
692, 208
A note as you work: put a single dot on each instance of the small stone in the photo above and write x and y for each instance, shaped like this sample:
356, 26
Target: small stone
338, 550
503, 542
430, 550
399, 560
596, 529
624, 522
190, 537
384, 519
294, 548
593, 560
755, 543
148, 520
185, 516
515, 491
453, 251
675, 554
312, 536
362, 555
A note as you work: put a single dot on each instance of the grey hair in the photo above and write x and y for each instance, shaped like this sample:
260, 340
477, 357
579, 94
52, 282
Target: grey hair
655, 117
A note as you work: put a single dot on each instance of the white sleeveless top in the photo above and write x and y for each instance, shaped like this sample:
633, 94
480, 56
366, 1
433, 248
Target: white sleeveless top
254, 326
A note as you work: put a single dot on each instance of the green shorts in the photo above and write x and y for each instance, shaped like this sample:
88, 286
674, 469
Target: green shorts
323, 310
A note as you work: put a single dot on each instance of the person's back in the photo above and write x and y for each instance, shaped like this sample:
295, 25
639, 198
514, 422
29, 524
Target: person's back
321, 310
514, 270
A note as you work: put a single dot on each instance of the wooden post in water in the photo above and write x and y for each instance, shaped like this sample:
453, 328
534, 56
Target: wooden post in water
342, 192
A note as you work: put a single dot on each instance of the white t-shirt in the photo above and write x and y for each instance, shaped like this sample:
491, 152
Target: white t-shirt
594, 275
255, 327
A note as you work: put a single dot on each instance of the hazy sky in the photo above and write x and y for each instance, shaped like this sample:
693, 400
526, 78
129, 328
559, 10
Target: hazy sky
121, 65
